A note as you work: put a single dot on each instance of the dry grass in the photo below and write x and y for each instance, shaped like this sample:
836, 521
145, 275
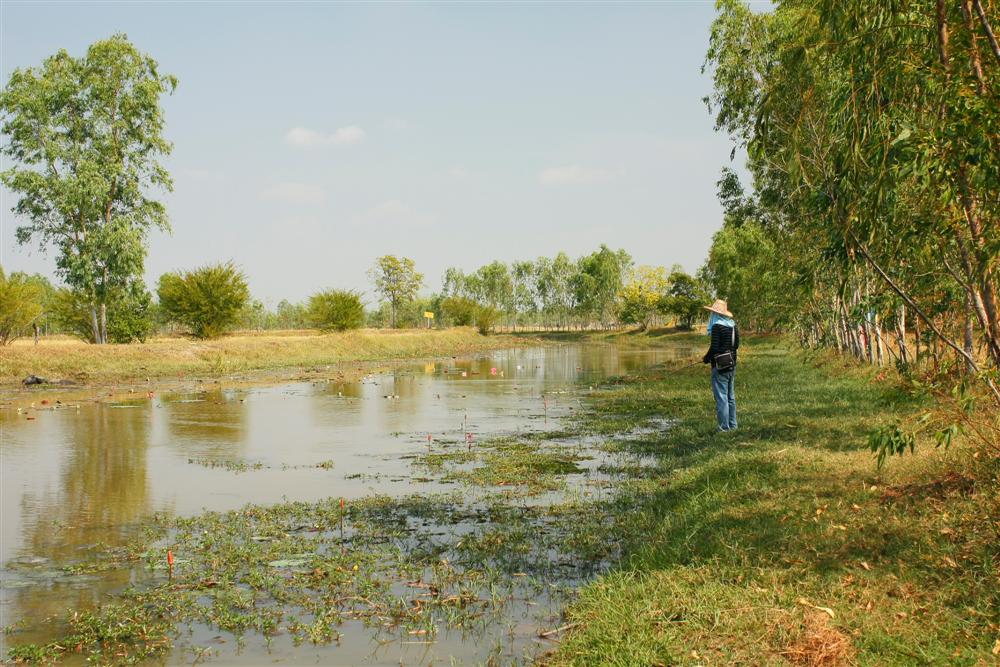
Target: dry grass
819, 644
62, 358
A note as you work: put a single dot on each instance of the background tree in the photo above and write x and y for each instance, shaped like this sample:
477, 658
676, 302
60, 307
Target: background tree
642, 293
130, 314
599, 281
208, 300
524, 290
554, 280
336, 310
685, 300
397, 281
84, 136
20, 305
290, 315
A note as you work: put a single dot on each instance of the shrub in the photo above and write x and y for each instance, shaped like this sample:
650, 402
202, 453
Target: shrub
20, 305
486, 319
208, 300
130, 315
336, 310
460, 311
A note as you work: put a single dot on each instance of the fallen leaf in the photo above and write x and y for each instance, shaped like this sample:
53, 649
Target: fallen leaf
825, 610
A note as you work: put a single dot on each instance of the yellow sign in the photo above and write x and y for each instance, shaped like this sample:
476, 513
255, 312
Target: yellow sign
429, 315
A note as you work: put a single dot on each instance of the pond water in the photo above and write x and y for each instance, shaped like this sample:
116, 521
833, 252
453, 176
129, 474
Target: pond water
78, 473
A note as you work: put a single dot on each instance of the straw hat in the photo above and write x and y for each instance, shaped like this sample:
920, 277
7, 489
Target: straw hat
719, 307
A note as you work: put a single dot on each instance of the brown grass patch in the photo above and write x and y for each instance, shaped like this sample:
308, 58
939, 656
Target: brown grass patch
819, 644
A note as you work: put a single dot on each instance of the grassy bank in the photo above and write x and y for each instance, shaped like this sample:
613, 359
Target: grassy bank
70, 359
782, 543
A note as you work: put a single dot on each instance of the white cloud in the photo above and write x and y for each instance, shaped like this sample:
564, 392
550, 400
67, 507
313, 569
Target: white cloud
302, 137
396, 124
296, 193
572, 174
392, 213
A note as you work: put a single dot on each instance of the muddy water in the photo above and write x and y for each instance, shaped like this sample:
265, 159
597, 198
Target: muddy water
78, 475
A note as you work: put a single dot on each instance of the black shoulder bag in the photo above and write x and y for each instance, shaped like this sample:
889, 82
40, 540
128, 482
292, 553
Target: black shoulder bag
726, 361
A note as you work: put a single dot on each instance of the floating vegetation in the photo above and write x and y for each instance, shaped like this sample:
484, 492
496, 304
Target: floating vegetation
398, 565
228, 464
238, 466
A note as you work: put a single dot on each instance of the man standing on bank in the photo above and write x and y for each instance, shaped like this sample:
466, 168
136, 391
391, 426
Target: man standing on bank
722, 355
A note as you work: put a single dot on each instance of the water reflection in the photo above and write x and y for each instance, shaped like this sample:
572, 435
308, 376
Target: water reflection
207, 423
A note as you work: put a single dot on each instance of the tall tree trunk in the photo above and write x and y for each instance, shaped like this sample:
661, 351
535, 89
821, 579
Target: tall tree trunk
94, 325
878, 337
969, 339
104, 324
904, 353
987, 28
975, 62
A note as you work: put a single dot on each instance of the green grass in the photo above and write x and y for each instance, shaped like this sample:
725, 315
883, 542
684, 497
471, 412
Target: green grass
505, 462
741, 542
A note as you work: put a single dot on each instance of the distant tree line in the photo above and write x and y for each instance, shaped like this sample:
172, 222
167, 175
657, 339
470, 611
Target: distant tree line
600, 290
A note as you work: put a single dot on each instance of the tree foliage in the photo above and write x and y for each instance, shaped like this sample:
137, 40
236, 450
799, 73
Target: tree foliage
208, 300
85, 136
459, 311
20, 305
642, 294
873, 139
599, 281
686, 299
397, 281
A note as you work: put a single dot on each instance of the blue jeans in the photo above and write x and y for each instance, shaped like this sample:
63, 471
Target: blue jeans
725, 398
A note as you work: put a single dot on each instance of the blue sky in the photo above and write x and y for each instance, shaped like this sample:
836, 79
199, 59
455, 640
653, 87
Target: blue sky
310, 138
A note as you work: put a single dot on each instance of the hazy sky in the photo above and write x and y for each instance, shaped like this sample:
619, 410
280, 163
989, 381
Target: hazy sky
309, 138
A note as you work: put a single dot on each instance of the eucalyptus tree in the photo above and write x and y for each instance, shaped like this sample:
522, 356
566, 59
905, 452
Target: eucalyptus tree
554, 279
871, 140
525, 288
599, 281
85, 136
495, 286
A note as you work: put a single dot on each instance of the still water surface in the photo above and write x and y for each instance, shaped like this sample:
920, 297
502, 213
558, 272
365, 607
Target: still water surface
79, 473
